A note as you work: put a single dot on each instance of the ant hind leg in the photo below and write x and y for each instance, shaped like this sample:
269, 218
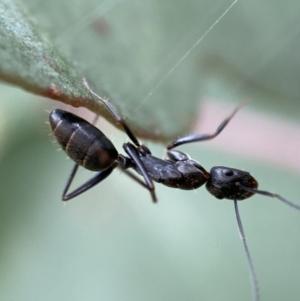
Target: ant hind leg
99, 177
114, 113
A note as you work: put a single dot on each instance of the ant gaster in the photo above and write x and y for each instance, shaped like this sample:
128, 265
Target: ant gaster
89, 147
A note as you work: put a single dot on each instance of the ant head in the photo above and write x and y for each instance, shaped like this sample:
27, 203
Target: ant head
224, 183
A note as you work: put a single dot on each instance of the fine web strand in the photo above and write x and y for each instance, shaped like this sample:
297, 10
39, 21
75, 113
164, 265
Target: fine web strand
186, 54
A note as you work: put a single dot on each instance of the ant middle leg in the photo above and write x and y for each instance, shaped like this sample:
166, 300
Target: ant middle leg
135, 156
134, 153
203, 137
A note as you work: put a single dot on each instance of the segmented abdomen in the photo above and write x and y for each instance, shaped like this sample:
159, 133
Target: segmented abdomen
83, 143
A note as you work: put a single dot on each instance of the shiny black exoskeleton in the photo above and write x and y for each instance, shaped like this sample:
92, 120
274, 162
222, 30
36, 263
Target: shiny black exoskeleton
84, 143
90, 148
87, 146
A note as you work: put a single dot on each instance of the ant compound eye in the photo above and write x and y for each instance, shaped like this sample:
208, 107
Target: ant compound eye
222, 183
228, 172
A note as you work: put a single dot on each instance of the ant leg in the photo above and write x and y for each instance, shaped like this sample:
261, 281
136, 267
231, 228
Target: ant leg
130, 149
132, 176
254, 281
114, 113
176, 155
70, 180
135, 156
203, 137
99, 177
73, 172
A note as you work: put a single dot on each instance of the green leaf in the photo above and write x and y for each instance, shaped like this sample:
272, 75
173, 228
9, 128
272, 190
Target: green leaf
29, 60
127, 50
124, 55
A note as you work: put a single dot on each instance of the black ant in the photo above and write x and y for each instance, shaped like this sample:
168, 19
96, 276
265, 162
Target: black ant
89, 147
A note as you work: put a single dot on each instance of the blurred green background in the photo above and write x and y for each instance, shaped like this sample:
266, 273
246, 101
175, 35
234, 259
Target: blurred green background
112, 243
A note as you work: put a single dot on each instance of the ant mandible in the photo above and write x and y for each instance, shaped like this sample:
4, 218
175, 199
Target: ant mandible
89, 147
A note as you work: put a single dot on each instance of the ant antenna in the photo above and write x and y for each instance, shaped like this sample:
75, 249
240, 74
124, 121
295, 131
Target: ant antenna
242, 233
253, 276
270, 194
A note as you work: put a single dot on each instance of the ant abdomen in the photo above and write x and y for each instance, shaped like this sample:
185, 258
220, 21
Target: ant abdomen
90, 148
224, 183
83, 143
